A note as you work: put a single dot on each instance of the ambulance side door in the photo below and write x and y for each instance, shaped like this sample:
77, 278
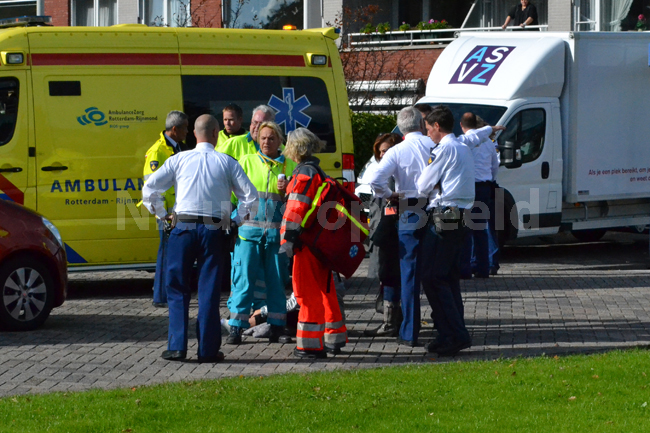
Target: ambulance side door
15, 170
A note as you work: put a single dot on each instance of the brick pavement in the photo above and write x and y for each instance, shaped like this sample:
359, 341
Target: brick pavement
554, 298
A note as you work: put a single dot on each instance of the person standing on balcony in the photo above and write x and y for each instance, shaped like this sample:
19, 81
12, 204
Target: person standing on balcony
523, 15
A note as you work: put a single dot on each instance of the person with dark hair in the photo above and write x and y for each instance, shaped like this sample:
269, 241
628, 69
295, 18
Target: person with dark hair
486, 165
169, 143
522, 15
448, 182
384, 247
233, 117
404, 163
424, 109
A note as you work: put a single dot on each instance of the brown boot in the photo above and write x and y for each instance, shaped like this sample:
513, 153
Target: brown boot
389, 328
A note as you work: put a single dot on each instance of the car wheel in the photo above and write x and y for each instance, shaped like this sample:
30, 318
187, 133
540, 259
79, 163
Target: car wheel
27, 294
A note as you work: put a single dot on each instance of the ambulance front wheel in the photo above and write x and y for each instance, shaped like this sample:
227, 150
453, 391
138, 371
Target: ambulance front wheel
27, 294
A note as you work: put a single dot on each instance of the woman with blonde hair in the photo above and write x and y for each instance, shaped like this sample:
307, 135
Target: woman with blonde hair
259, 238
320, 323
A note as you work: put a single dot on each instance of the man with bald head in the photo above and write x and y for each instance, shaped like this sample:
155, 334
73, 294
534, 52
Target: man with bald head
204, 180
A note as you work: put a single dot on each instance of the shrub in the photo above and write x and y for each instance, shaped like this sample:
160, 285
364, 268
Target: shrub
369, 28
404, 27
365, 129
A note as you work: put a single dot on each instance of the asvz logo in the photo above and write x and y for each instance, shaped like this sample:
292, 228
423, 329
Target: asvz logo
480, 65
354, 251
290, 110
93, 115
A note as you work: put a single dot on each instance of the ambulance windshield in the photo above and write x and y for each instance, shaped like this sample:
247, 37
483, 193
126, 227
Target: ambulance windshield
8, 108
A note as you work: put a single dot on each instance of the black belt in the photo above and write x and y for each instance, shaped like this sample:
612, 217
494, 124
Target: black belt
417, 201
199, 219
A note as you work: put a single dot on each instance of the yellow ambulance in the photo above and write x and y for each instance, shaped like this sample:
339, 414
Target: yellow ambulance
80, 106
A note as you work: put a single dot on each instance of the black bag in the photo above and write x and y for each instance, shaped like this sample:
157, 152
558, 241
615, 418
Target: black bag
385, 235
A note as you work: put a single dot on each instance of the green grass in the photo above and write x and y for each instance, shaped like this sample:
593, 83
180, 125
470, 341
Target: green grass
597, 393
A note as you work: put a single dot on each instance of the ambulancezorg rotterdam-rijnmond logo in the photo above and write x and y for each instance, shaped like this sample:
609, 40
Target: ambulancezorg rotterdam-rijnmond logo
119, 119
93, 115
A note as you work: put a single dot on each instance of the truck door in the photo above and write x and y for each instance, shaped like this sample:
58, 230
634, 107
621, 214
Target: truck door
531, 169
14, 139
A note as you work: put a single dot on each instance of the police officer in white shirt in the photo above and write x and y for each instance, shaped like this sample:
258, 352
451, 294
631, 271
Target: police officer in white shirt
448, 182
486, 166
203, 180
404, 162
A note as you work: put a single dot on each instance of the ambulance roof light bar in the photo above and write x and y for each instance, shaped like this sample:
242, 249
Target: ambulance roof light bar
26, 21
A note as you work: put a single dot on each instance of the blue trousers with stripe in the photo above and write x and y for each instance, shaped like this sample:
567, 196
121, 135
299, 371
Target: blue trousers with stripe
206, 245
159, 291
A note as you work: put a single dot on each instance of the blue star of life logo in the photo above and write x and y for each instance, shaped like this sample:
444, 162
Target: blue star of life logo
354, 251
290, 110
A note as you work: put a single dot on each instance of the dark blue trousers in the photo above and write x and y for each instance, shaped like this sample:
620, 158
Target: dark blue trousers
441, 282
206, 245
159, 292
409, 263
476, 242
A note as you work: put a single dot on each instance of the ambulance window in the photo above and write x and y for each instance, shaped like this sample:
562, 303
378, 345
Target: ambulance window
65, 88
8, 108
527, 129
298, 101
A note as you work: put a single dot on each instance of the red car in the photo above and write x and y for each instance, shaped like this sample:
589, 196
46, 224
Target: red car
33, 268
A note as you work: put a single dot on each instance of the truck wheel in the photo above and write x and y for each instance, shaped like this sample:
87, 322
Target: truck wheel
591, 235
27, 294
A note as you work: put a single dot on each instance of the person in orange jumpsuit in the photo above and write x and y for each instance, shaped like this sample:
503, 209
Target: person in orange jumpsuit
321, 327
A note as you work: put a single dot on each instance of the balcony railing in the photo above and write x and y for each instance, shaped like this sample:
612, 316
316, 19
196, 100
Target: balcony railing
399, 38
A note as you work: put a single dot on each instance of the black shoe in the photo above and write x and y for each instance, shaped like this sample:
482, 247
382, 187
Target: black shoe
407, 342
453, 348
285, 339
482, 275
174, 355
433, 346
333, 350
211, 359
277, 331
159, 304
494, 271
309, 354
466, 277
235, 335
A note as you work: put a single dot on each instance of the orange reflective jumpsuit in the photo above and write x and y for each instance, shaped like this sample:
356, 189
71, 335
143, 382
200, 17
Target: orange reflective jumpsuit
320, 323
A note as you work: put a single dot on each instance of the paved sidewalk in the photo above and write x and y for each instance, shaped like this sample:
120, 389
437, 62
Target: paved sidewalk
547, 298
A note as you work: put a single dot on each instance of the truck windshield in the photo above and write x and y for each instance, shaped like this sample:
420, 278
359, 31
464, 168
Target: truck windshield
490, 113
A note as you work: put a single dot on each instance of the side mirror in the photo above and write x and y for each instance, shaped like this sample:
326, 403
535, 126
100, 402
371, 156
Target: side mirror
510, 155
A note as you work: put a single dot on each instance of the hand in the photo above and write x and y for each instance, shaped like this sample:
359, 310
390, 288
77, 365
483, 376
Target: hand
522, 25
282, 184
395, 197
503, 27
286, 248
168, 217
498, 128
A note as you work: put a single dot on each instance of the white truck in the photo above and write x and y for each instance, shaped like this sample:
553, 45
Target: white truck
576, 152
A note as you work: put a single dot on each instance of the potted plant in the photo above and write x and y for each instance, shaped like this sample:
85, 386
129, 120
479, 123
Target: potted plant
367, 29
383, 28
404, 27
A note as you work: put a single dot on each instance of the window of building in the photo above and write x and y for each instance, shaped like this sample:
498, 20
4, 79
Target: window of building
262, 14
19, 8
94, 12
8, 108
527, 130
166, 13
610, 15
493, 13
299, 101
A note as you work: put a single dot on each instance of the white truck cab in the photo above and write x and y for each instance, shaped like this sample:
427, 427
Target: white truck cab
576, 152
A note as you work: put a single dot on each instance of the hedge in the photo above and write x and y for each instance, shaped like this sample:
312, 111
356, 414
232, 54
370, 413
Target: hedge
365, 129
